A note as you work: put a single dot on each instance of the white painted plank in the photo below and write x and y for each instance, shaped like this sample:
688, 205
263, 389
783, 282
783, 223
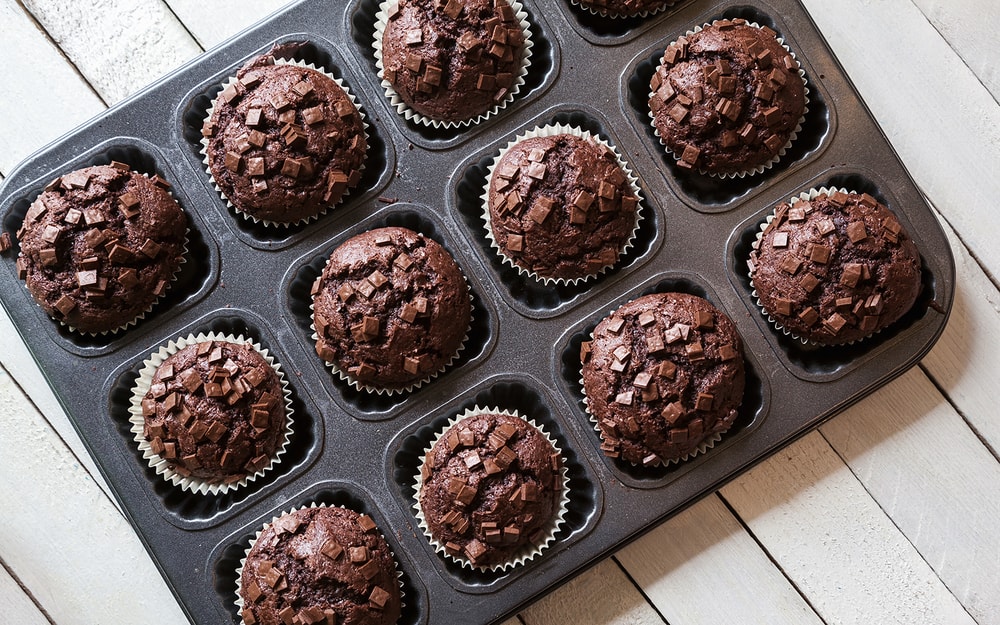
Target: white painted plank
215, 21
33, 112
16, 606
17, 361
970, 27
835, 543
695, 568
926, 488
944, 124
966, 359
62, 537
602, 594
118, 45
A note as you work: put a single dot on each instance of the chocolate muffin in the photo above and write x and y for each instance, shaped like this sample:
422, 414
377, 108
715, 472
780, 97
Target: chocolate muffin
625, 8
284, 142
455, 60
320, 565
728, 99
391, 309
834, 267
100, 245
561, 206
490, 489
215, 412
663, 377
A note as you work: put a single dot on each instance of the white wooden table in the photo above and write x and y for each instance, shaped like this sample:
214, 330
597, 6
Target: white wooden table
890, 513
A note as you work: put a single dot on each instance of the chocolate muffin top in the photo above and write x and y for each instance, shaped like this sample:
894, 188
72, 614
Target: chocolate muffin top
391, 308
215, 411
100, 245
491, 488
560, 206
452, 60
836, 268
284, 142
320, 565
726, 99
663, 375
626, 8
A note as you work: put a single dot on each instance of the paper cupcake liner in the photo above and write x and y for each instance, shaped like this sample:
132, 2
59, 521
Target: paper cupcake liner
239, 571
358, 385
161, 465
323, 209
142, 315
604, 13
529, 551
791, 138
809, 195
402, 108
548, 131
705, 445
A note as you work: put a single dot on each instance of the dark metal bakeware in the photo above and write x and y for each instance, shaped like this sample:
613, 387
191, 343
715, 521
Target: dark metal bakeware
360, 450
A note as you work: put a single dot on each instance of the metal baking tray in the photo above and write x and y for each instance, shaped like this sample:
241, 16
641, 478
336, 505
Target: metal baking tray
362, 450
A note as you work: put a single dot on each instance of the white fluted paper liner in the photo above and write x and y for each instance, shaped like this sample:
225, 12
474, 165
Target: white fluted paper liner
548, 131
704, 446
358, 385
161, 465
239, 571
141, 315
791, 138
530, 550
402, 108
605, 13
323, 209
811, 194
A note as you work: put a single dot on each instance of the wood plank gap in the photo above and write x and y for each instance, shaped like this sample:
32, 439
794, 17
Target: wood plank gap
58, 435
640, 590
957, 52
197, 41
944, 394
27, 592
887, 514
994, 280
763, 548
62, 53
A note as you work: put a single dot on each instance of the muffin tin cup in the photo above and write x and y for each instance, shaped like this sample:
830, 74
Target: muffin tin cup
811, 194
547, 131
161, 465
404, 109
323, 209
791, 139
409, 388
706, 444
239, 571
529, 551
612, 15
142, 315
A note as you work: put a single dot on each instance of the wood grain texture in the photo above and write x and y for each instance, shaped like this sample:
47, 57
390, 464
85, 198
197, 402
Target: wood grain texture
834, 542
118, 45
34, 113
64, 540
602, 594
966, 359
908, 75
213, 22
925, 488
702, 568
970, 27
15, 606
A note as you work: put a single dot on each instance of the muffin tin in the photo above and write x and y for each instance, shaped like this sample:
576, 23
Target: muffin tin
362, 450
